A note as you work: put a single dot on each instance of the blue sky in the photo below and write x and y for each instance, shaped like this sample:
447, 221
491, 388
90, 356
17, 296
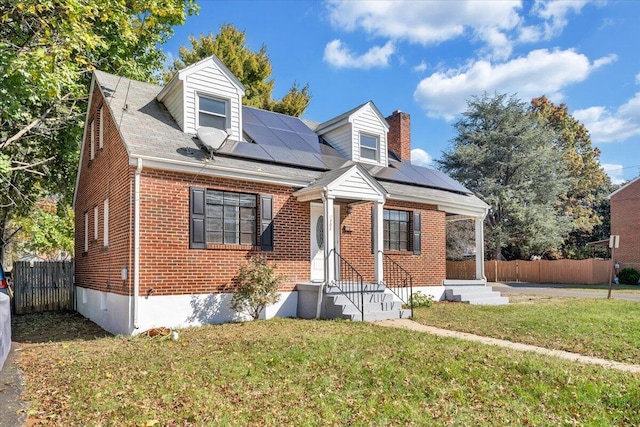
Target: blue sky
427, 58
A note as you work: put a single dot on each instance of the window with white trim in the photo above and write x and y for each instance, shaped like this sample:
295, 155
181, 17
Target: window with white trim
369, 146
212, 112
95, 222
92, 139
86, 231
100, 128
105, 218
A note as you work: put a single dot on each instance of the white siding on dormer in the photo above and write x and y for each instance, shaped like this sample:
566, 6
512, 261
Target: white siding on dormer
211, 81
340, 139
174, 101
367, 121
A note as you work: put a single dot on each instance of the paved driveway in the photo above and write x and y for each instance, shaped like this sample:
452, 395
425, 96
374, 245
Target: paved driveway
579, 291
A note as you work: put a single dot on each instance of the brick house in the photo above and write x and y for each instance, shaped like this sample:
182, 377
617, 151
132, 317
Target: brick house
625, 222
179, 185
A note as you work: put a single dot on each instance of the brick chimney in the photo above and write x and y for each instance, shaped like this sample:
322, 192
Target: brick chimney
399, 136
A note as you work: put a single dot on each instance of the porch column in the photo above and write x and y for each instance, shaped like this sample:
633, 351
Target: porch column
378, 243
329, 245
479, 222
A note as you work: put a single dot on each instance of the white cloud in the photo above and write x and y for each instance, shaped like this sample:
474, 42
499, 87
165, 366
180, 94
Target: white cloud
422, 67
339, 55
420, 157
429, 22
605, 60
614, 171
444, 94
607, 125
554, 13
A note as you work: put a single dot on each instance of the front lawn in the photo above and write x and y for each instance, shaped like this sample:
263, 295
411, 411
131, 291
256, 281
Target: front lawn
305, 373
602, 328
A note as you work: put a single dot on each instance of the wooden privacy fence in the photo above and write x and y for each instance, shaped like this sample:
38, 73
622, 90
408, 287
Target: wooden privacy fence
43, 286
586, 271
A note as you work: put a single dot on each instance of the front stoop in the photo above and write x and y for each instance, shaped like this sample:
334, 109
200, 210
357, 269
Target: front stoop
475, 295
379, 304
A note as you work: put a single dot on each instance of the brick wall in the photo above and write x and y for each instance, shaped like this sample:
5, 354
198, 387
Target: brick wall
168, 265
625, 222
428, 268
108, 175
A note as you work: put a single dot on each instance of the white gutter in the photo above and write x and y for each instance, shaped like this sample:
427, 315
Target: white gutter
136, 243
218, 171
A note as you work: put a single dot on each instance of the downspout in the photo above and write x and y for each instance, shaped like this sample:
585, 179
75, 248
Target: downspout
136, 243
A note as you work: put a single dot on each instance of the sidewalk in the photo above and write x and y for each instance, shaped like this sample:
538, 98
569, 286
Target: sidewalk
574, 357
11, 408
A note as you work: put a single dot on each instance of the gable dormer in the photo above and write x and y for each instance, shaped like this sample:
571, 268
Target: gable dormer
205, 94
359, 135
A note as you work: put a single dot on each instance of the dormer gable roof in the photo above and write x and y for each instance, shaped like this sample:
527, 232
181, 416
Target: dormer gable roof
198, 66
349, 117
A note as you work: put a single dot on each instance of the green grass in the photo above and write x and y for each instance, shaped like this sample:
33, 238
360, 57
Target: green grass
313, 373
602, 328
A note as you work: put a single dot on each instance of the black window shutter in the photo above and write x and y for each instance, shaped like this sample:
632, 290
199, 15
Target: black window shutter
266, 222
417, 234
197, 232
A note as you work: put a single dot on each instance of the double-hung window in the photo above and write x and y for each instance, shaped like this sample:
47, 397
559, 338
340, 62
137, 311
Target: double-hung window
369, 146
230, 218
396, 230
212, 112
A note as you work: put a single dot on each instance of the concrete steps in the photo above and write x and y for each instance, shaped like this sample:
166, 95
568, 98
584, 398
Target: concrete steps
379, 304
475, 295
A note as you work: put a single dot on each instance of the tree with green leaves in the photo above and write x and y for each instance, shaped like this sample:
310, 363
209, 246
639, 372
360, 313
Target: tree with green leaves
252, 68
588, 183
508, 158
48, 49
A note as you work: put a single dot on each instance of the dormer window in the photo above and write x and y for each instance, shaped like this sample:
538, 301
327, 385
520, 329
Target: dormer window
212, 112
369, 147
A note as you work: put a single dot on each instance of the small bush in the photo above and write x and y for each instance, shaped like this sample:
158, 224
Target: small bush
629, 276
257, 287
421, 300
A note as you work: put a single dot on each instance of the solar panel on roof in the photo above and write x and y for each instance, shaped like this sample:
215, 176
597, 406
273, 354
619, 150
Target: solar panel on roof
407, 173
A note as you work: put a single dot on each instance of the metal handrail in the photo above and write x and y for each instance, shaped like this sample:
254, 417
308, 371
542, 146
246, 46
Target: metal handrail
351, 283
398, 280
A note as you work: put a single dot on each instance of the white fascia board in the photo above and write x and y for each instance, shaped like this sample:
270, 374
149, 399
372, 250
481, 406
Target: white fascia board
333, 126
208, 169
449, 207
375, 110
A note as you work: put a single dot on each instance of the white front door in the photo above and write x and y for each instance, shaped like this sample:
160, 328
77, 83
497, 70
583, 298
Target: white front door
318, 239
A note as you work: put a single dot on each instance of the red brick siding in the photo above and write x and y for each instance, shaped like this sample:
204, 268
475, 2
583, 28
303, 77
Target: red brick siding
108, 175
168, 266
399, 135
625, 222
428, 268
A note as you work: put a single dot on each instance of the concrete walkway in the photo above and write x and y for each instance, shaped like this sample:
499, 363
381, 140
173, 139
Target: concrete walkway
574, 357
12, 408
